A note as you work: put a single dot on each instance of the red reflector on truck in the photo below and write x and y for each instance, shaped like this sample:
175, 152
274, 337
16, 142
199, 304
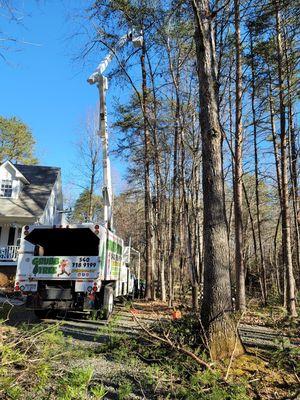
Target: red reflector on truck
95, 287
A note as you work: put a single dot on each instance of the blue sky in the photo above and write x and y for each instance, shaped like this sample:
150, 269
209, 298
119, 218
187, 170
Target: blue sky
42, 85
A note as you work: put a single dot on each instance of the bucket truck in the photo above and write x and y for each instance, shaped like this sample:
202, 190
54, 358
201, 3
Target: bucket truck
79, 266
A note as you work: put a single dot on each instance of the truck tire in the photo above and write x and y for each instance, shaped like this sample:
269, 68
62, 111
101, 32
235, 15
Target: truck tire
108, 301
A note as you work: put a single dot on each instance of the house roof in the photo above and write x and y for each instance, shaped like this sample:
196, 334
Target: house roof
34, 196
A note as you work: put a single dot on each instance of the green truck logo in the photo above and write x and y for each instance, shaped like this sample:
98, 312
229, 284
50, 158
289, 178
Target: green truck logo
44, 265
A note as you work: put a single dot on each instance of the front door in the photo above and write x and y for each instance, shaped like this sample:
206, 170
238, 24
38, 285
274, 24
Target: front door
11, 236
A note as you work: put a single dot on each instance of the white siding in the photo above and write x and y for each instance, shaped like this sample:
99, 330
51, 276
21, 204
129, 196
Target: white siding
54, 204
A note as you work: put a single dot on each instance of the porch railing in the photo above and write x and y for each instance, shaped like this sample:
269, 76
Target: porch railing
9, 253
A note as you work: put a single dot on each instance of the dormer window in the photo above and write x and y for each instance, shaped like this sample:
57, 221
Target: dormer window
11, 180
6, 188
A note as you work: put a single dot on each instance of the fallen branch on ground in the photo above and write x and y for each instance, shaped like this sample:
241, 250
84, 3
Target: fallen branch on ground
166, 340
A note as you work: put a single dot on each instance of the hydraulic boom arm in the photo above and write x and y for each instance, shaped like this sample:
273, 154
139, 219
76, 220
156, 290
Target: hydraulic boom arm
101, 81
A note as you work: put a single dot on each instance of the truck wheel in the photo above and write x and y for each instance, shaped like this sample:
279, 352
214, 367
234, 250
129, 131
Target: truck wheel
108, 301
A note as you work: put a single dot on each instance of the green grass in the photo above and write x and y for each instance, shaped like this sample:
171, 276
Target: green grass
36, 362
39, 362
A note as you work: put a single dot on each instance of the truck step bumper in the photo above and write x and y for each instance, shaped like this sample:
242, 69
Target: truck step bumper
36, 303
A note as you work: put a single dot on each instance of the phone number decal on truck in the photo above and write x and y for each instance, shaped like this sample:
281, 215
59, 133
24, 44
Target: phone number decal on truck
65, 267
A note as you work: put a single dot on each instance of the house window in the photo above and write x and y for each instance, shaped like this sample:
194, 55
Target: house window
6, 188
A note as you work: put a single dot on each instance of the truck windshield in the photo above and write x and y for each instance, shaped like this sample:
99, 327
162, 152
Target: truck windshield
64, 242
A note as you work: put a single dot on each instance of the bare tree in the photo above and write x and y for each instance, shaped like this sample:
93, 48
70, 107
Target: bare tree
285, 207
12, 13
217, 302
88, 163
238, 166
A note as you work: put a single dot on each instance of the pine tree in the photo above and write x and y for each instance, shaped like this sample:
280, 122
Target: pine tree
16, 141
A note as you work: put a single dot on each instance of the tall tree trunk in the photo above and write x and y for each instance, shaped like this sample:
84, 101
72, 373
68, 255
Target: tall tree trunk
293, 156
148, 228
190, 234
285, 207
278, 280
157, 220
278, 176
230, 141
162, 277
217, 301
274, 139
174, 217
238, 175
173, 206
262, 268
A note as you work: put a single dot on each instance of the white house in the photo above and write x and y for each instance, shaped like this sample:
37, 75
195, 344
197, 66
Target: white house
28, 194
